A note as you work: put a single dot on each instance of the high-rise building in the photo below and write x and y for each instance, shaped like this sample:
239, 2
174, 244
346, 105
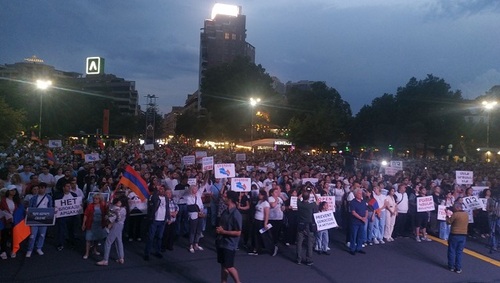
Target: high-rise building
223, 38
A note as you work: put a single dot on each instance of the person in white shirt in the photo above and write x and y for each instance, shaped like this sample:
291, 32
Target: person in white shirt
47, 178
276, 215
38, 233
379, 219
195, 211
402, 205
158, 215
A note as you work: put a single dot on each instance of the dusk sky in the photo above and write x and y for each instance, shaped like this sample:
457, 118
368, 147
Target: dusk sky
362, 48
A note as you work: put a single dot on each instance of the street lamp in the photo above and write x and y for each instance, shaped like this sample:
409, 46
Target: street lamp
42, 85
488, 106
253, 103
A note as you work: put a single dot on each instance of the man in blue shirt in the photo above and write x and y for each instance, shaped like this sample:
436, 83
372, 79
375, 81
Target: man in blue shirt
359, 216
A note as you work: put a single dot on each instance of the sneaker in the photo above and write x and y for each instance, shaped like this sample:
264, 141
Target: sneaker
3, 255
299, 262
275, 250
392, 239
348, 244
452, 269
39, 252
198, 248
201, 235
191, 250
425, 239
363, 245
60, 248
327, 248
309, 263
381, 241
287, 244
253, 253
28, 254
371, 243
458, 271
13, 255
418, 239
376, 242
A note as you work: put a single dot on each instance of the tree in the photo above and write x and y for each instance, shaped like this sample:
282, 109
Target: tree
226, 91
11, 122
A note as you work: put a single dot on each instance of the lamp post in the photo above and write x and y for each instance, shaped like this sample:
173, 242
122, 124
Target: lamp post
253, 103
42, 85
488, 106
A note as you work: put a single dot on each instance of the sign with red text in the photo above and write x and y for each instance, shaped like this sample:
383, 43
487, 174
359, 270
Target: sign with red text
241, 184
425, 204
330, 201
207, 163
325, 220
441, 215
189, 160
225, 170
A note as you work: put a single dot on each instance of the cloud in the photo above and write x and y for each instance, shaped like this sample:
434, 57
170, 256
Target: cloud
480, 84
462, 8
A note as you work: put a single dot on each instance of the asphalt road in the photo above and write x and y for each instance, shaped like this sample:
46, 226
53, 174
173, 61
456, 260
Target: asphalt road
404, 260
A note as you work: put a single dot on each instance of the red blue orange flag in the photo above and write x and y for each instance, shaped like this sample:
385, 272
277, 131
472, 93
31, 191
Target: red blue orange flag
135, 182
50, 157
20, 230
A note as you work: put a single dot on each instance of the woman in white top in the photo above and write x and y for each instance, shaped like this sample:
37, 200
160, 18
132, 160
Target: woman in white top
195, 212
261, 219
390, 215
276, 216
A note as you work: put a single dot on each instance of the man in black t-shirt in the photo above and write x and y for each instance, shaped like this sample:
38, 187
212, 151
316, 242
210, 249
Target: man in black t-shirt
305, 229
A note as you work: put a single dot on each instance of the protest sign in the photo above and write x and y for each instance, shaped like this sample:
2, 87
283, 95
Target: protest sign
136, 206
483, 203
148, 147
241, 157
192, 181
68, 207
391, 171
441, 215
250, 168
330, 200
55, 143
312, 180
464, 177
188, 160
425, 204
92, 157
477, 190
472, 203
398, 165
325, 220
200, 154
293, 202
40, 216
207, 163
241, 184
225, 170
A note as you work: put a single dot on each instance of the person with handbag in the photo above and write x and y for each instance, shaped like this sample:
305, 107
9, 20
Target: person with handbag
195, 212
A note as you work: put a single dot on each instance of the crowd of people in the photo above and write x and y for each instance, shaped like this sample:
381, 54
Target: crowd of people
371, 207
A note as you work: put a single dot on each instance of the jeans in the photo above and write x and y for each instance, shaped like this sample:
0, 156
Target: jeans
379, 226
456, 244
494, 231
444, 230
182, 221
195, 226
155, 235
357, 235
301, 234
115, 235
322, 240
37, 236
368, 236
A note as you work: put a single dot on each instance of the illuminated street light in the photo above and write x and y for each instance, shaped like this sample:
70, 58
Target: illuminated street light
488, 106
42, 85
253, 103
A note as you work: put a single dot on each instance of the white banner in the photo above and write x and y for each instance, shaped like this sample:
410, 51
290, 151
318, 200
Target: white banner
250, 168
483, 201
92, 157
200, 154
391, 171
241, 157
224, 170
207, 163
325, 220
330, 200
477, 190
241, 184
148, 147
312, 180
464, 177
441, 215
472, 203
192, 181
55, 143
189, 160
425, 204
68, 207
398, 165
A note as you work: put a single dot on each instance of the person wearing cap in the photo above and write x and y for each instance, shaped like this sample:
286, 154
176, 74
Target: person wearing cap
38, 233
228, 235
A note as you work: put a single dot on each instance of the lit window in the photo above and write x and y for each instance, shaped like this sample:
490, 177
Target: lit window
226, 35
233, 36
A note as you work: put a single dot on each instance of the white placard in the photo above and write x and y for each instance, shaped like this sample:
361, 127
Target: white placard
325, 220
55, 143
250, 168
330, 200
68, 207
464, 177
241, 184
263, 169
241, 157
207, 163
483, 201
441, 215
148, 147
189, 160
200, 154
425, 204
477, 190
225, 170
192, 181
271, 165
398, 165
391, 171
472, 203
293, 202
312, 180
92, 157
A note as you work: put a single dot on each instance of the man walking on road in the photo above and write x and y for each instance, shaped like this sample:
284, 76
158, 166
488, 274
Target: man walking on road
459, 220
228, 237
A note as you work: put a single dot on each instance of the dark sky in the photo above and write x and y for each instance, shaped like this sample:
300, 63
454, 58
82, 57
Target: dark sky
363, 48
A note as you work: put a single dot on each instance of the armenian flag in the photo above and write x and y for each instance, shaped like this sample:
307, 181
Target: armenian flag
135, 182
20, 230
374, 205
50, 157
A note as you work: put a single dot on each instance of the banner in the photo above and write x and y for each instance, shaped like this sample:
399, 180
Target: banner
92, 157
241, 157
136, 205
483, 201
330, 201
207, 163
477, 190
464, 177
189, 160
441, 215
148, 147
398, 165
192, 181
55, 143
391, 171
224, 170
250, 168
200, 154
325, 220
241, 184
312, 180
425, 204
40, 216
293, 202
472, 203
68, 207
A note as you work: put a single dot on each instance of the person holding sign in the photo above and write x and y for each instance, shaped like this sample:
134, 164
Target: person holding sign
322, 238
421, 218
38, 233
459, 221
65, 224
